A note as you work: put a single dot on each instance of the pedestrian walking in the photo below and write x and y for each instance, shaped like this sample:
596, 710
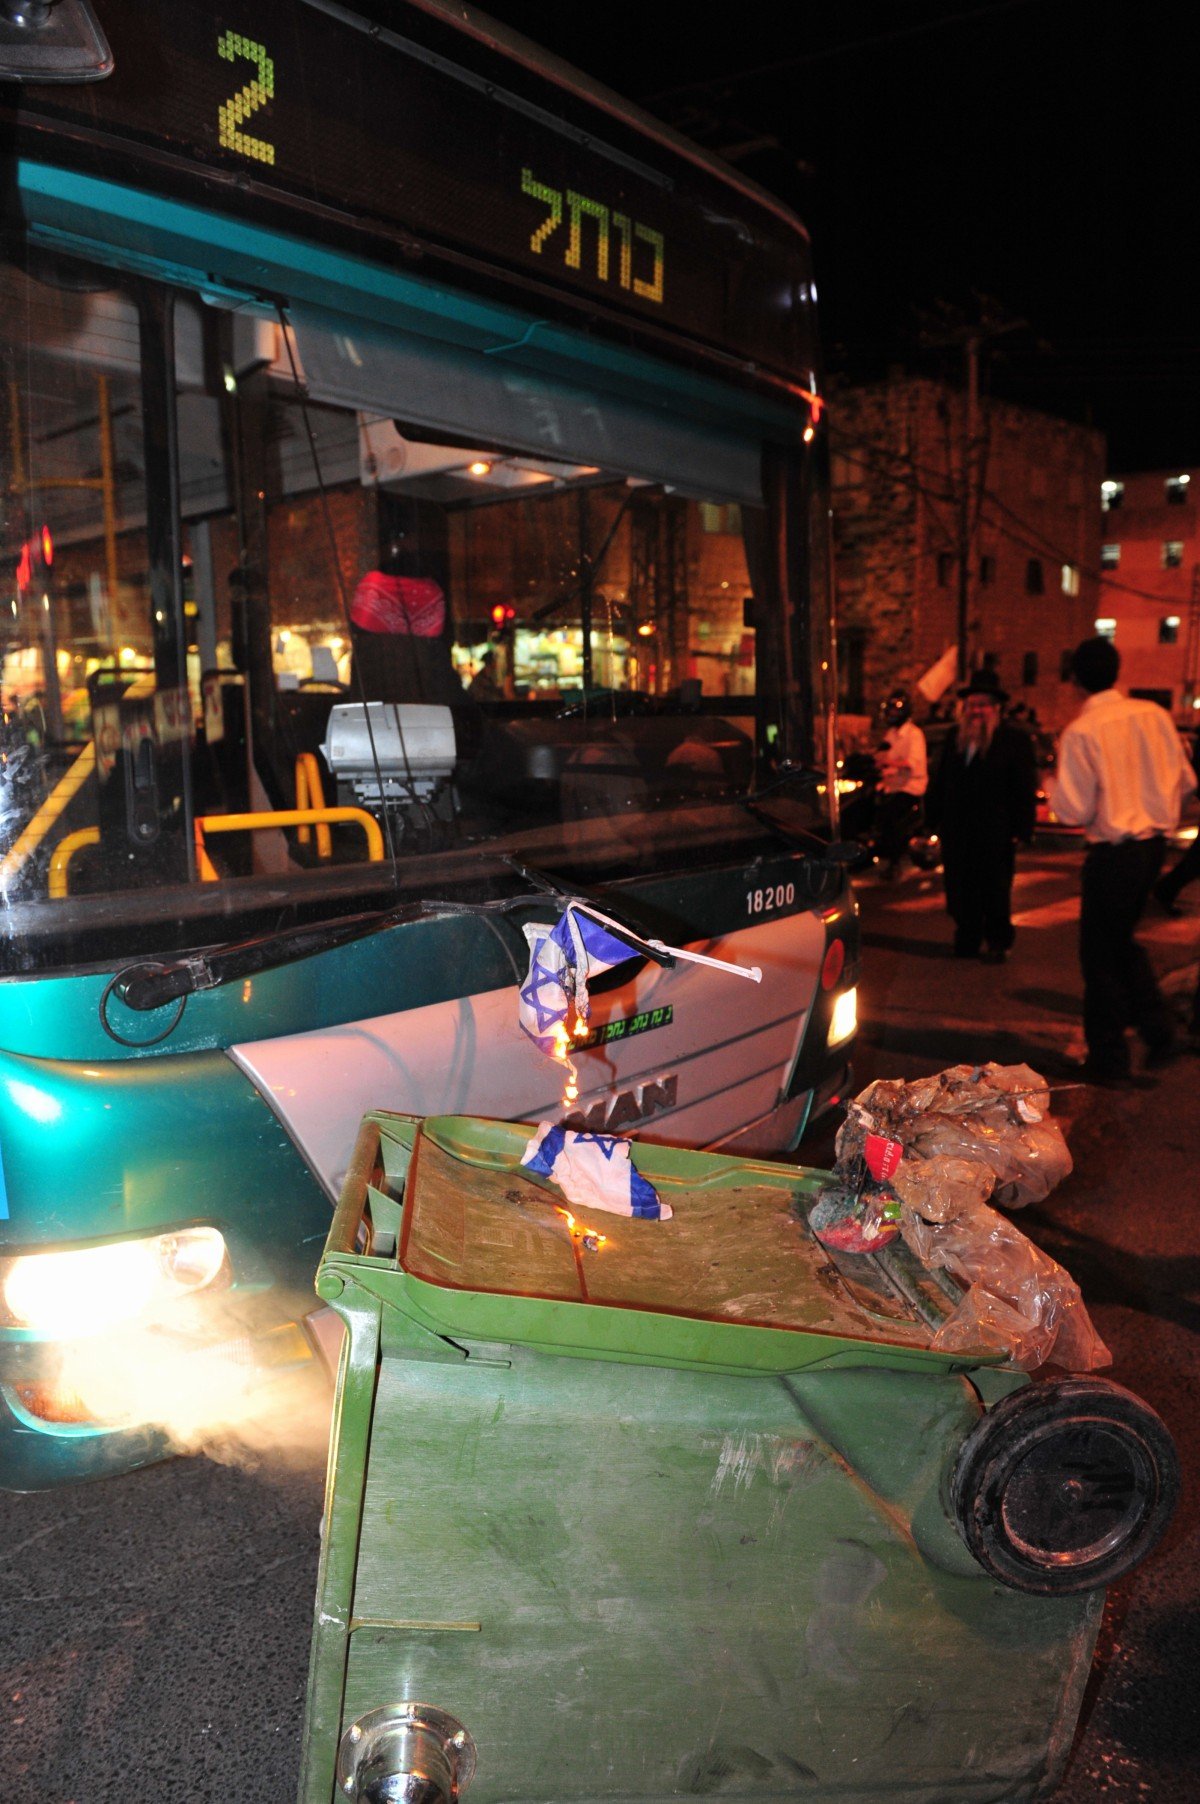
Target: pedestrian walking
981, 802
903, 779
1122, 777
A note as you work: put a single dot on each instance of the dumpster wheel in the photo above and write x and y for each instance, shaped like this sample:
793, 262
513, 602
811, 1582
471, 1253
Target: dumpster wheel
1065, 1486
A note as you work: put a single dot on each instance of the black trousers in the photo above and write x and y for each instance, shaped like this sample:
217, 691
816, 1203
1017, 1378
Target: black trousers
978, 877
1119, 987
897, 818
1185, 872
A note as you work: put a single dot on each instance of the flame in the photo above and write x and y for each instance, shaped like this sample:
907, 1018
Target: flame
592, 1239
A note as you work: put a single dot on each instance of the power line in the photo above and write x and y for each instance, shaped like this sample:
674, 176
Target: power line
1032, 538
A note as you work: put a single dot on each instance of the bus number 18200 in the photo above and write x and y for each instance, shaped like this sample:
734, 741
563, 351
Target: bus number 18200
776, 895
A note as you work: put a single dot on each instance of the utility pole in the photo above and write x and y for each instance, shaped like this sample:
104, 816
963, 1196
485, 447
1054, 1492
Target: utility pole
1191, 644
948, 329
967, 508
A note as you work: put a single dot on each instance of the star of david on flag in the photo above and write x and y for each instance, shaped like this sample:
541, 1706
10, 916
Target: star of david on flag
594, 1171
561, 959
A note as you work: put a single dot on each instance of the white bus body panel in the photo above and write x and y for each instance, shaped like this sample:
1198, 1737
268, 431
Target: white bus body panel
718, 1067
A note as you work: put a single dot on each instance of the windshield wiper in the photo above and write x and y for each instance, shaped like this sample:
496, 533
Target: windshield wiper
150, 984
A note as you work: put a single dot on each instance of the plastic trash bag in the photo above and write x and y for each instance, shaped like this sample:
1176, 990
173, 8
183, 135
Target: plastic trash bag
946, 1148
996, 1115
1019, 1300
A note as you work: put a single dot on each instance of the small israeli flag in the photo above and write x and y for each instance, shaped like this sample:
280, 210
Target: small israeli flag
561, 959
594, 1171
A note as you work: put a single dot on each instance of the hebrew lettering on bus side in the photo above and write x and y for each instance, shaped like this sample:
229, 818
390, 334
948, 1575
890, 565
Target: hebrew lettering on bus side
630, 236
577, 206
549, 197
653, 289
624, 226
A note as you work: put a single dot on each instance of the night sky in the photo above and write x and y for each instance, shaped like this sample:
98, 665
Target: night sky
1044, 154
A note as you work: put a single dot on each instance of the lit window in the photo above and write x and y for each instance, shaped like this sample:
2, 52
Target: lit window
1070, 579
1172, 553
1111, 495
1106, 627
1168, 630
1177, 490
1034, 581
1110, 556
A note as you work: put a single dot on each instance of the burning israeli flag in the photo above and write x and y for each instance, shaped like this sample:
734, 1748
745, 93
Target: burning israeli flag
554, 997
553, 1005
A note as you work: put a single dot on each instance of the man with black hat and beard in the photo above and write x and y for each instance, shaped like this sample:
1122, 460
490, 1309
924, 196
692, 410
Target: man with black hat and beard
982, 800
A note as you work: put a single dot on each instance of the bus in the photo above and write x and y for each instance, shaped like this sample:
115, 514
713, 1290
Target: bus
415, 517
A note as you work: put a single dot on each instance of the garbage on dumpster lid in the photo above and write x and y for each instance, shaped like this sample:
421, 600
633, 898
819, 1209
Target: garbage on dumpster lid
853, 1221
928, 1159
1018, 1299
594, 1171
996, 1114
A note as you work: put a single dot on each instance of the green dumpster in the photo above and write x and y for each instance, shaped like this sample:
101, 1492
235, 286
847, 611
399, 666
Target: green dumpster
624, 1509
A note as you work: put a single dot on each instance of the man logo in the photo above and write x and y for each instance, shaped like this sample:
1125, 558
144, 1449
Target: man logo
627, 1107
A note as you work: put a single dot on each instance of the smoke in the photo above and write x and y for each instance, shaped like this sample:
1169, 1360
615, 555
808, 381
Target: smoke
209, 1383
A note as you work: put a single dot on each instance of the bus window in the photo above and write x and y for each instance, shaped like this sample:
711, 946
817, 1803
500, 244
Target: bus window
484, 648
386, 656
94, 741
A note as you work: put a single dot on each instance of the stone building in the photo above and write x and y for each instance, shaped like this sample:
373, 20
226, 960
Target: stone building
1033, 540
1150, 600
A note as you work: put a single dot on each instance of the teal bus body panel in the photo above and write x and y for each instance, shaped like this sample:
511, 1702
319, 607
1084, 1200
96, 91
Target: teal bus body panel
94, 1151
97, 1152
405, 966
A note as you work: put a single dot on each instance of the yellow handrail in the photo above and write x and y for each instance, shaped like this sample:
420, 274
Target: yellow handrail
66, 849
62, 855
310, 793
292, 817
64, 791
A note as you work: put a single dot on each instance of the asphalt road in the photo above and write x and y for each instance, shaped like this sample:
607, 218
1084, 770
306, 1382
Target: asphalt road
154, 1629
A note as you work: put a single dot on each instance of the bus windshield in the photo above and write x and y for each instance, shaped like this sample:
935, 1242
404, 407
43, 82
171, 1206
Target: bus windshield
278, 648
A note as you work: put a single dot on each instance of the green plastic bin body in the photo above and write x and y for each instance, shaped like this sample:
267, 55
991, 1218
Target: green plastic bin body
659, 1549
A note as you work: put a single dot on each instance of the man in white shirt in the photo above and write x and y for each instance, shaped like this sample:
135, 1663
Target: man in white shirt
903, 780
1122, 777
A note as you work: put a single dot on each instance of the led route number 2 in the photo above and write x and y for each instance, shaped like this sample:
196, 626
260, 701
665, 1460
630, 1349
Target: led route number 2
234, 113
629, 235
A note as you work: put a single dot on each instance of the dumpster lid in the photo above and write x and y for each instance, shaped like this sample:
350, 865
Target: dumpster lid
736, 1255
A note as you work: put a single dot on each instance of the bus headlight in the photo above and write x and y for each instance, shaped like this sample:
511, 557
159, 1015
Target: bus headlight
88, 1289
844, 1020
